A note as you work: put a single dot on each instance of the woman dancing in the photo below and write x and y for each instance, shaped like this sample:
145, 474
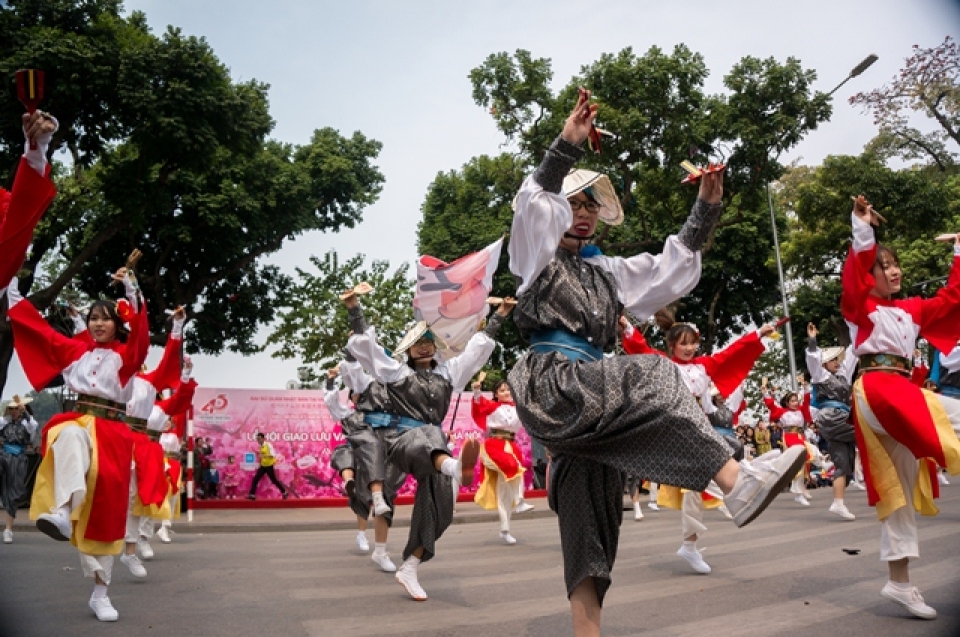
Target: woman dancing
603, 416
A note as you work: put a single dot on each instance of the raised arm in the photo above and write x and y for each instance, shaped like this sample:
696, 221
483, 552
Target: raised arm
857, 279
43, 351
477, 352
167, 372
729, 367
633, 340
368, 352
814, 357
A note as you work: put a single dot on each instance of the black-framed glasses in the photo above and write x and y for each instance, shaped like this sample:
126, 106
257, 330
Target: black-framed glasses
589, 206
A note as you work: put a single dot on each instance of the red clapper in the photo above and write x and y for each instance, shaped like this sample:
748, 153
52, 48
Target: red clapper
694, 172
30, 91
593, 138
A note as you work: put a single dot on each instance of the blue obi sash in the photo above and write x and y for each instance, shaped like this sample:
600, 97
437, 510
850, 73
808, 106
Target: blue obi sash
950, 392
726, 431
381, 419
570, 345
13, 450
835, 404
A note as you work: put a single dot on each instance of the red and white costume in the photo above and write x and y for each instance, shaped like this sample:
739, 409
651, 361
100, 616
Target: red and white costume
501, 485
86, 462
795, 419
896, 421
726, 370
164, 413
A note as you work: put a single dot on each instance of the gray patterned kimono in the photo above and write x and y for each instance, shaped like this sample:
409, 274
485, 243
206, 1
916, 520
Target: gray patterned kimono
423, 395
14, 438
618, 414
832, 391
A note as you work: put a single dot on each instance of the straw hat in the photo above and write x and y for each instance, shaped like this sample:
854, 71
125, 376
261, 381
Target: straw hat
601, 189
17, 401
414, 334
831, 353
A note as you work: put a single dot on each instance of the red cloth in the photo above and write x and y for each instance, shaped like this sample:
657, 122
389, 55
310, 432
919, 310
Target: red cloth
637, 344
481, 407
510, 464
178, 404
111, 492
31, 196
173, 474
152, 486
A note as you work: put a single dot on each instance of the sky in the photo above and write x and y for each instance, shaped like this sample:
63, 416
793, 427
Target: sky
397, 72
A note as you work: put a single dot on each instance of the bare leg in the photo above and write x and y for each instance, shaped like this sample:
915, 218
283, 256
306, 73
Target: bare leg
380, 530
361, 523
346, 474
585, 609
900, 571
8, 521
839, 486
727, 476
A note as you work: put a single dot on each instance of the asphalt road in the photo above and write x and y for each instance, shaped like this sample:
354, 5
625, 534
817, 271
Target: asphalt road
785, 574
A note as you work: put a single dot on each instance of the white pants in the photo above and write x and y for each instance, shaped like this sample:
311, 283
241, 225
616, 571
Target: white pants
93, 565
898, 532
691, 510
71, 461
654, 492
509, 493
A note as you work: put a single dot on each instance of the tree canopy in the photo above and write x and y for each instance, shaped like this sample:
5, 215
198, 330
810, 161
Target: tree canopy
169, 155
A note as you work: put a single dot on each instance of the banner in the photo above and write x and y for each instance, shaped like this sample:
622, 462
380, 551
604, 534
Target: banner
452, 297
303, 435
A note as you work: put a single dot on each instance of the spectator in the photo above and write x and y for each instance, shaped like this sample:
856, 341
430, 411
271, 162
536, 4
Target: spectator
761, 438
213, 480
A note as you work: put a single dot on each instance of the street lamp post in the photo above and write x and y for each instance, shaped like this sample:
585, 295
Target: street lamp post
864, 64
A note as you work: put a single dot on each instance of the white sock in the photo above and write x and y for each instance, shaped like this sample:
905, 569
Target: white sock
838, 501
903, 587
377, 498
65, 510
449, 468
636, 507
379, 549
690, 544
99, 591
412, 562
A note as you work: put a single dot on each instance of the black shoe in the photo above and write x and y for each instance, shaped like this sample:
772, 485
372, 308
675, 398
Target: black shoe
285, 495
250, 496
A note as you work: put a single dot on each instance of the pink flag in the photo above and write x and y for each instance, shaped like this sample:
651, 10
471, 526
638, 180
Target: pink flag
452, 297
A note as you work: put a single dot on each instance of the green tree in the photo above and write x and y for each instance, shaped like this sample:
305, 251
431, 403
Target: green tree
656, 107
313, 324
918, 204
171, 156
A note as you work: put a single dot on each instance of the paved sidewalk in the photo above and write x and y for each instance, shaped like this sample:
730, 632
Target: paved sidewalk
307, 519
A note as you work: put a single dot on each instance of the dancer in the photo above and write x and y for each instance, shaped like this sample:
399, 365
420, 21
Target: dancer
268, 458
165, 412
16, 430
361, 462
793, 415
896, 421
411, 399
706, 377
83, 480
831, 372
604, 416
501, 487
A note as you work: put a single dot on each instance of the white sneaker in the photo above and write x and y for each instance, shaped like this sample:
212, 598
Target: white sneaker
694, 558
56, 525
911, 600
384, 562
653, 506
637, 512
523, 506
841, 509
103, 609
7, 536
725, 511
407, 576
362, 543
802, 501
380, 507
146, 551
134, 564
507, 538
941, 476
759, 483
858, 485
164, 535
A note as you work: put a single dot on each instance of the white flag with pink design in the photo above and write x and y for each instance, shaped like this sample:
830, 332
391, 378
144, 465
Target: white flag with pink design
452, 297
